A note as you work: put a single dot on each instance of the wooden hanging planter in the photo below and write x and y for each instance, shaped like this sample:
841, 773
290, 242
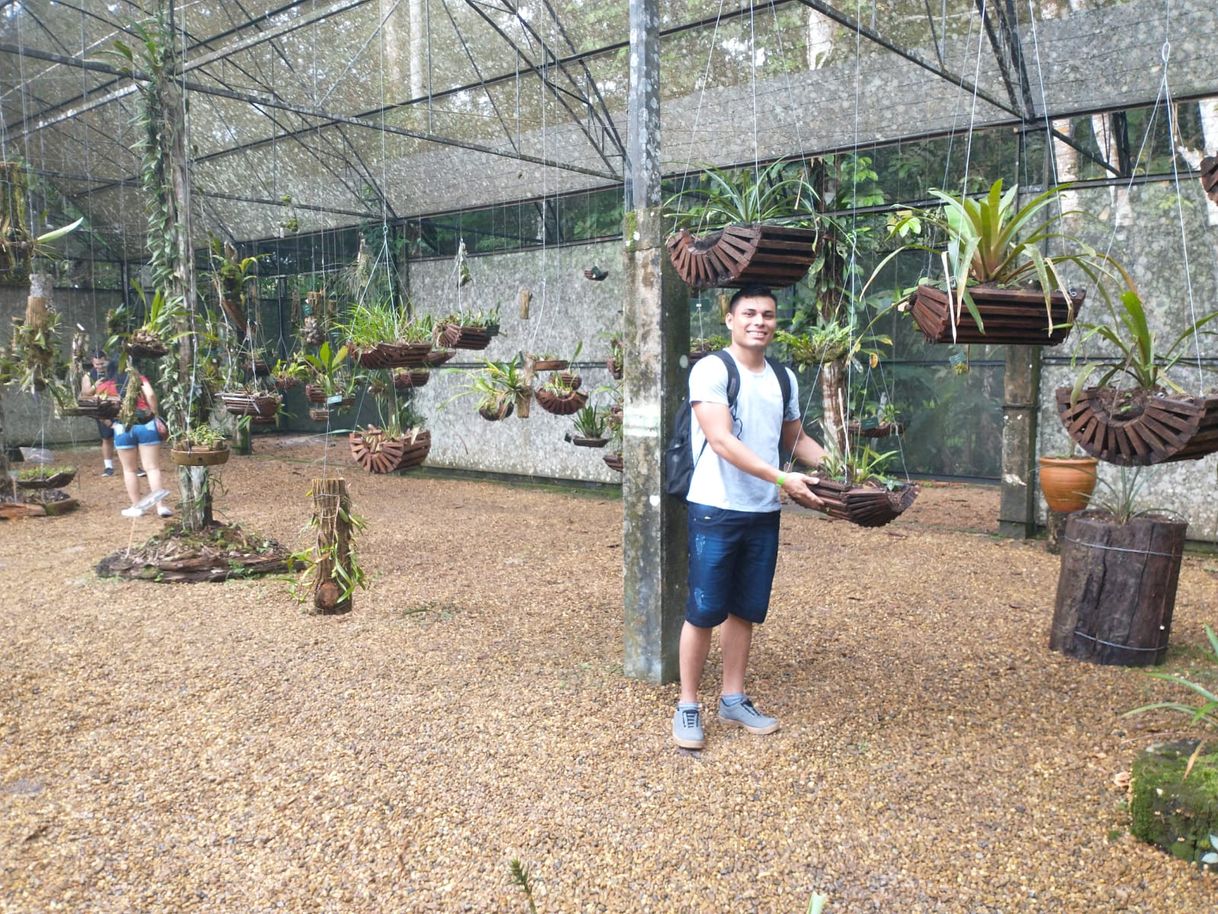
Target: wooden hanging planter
876, 430
391, 355
96, 407
615, 368
407, 379
1011, 316
286, 383
144, 345
561, 404
740, 255
198, 456
495, 413
865, 505
376, 452
550, 364
259, 406
438, 357
57, 481
258, 367
614, 462
1140, 427
588, 442
1209, 177
458, 336
319, 414
570, 379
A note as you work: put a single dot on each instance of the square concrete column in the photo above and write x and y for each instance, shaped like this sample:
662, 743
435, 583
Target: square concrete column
1020, 393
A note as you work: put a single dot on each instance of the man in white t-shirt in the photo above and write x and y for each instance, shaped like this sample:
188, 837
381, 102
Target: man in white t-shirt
734, 510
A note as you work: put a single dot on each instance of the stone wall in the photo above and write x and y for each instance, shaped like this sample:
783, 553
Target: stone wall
566, 308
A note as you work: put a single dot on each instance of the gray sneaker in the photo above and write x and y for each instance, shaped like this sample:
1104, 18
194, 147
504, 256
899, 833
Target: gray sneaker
687, 727
745, 715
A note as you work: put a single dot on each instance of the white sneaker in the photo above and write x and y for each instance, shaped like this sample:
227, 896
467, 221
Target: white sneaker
164, 510
131, 512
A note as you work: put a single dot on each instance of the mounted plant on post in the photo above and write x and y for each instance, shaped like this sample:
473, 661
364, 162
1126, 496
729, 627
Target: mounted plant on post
235, 280
331, 568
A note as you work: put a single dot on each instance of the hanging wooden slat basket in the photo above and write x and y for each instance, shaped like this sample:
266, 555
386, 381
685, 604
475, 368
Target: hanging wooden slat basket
614, 462
561, 404
866, 506
56, 481
391, 355
1140, 427
198, 456
377, 452
1011, 316
143, 344
740, 255
260, 405
408, 379
438, 357
458, 336
1209, 177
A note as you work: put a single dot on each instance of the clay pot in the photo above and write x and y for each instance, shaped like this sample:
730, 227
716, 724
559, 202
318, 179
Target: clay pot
1067, 482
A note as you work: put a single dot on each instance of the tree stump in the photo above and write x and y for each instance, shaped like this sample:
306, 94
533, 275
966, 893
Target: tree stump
1117, 589
194, 491
331, 513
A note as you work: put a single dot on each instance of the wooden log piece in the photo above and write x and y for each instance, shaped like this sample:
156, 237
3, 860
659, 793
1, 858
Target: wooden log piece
331, 510
1117, 589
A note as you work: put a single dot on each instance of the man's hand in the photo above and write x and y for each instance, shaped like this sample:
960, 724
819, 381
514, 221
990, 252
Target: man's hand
797, 486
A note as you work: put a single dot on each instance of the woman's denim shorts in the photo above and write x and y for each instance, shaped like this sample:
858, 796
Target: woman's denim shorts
732, 556
144, 433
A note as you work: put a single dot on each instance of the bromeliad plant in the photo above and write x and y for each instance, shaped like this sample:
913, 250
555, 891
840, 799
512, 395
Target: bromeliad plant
857, 465
1142, 362
1205, 714
498, 386
328, 371
990, 240
780, 192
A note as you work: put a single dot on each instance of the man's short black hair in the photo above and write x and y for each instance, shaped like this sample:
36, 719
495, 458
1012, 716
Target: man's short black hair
100, 353
753, 290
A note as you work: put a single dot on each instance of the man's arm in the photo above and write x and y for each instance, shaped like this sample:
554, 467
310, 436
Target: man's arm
716, 422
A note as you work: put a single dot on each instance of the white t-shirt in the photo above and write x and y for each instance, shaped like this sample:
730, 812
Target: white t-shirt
758, 424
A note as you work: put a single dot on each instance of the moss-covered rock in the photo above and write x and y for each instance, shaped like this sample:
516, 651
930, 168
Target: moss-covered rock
1178, 814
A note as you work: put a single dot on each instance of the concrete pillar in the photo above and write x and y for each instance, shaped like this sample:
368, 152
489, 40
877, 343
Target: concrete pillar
1020, 393
655, 343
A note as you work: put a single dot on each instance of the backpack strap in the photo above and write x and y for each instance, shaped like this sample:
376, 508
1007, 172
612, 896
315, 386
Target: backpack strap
733, 378
784, 383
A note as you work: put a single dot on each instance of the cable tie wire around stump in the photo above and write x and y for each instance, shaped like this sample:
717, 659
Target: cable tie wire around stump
1123, 647
1105, 548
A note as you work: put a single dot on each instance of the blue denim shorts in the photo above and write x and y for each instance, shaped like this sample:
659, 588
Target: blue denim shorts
144, 433
732, 556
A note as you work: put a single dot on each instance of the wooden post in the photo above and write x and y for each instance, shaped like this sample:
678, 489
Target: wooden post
331, 514
1117, 589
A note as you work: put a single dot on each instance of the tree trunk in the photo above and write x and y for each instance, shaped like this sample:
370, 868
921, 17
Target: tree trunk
833, 398
1117, 589
331, 513
194, 487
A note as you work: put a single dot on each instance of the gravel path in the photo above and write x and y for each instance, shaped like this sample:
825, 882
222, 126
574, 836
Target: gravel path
212, 748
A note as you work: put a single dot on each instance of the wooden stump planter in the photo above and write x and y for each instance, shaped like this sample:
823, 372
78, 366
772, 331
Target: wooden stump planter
1067, 482
1140, 427
866, 505
408, 379
198, 456
391, 355
1014, 316
377, 452
740, 255
561, 404
1117, 589
258, 405
458, 336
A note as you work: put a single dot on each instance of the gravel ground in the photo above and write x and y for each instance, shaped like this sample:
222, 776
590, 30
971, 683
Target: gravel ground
212, 748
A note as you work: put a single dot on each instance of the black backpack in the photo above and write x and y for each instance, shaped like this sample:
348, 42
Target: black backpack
679, 459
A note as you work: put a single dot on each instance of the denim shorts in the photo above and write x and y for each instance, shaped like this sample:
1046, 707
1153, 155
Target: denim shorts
732, 556
145, 433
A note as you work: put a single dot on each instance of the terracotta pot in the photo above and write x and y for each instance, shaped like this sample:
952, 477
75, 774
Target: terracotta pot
1067, 482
